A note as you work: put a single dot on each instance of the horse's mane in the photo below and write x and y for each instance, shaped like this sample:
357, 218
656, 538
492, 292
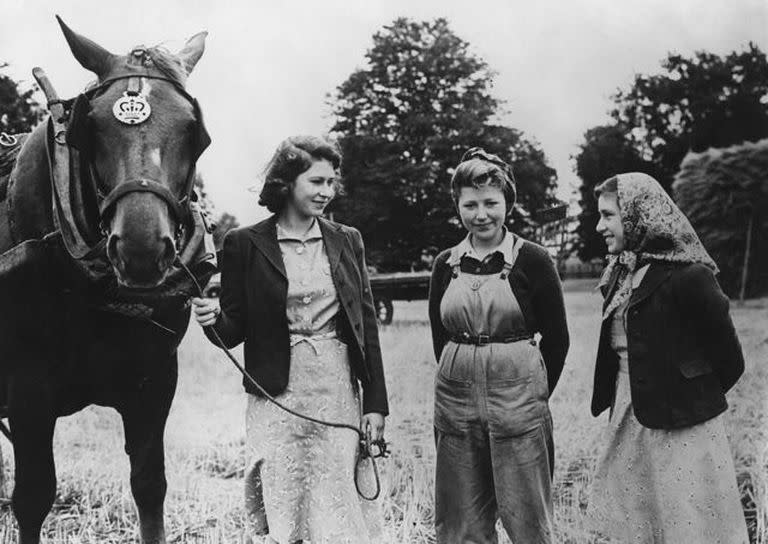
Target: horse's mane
167, 63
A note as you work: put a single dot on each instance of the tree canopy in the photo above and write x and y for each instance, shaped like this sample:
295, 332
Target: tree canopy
220, 222
403, 122
695, 103
19, 112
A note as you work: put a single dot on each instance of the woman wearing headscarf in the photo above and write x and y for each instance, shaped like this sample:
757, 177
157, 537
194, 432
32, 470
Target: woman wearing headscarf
489, 296
667, 354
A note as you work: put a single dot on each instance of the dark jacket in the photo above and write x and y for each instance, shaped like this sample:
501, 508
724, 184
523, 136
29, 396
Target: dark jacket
536, 286
254, 292
683, 350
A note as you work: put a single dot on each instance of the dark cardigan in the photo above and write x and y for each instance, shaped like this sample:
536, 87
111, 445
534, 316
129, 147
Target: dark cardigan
536, 286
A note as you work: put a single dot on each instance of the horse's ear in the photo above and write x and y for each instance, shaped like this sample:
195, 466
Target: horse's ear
88, 53
192, 51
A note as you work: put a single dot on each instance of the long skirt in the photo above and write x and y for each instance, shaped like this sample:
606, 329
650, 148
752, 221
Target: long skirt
300, 480
665, 486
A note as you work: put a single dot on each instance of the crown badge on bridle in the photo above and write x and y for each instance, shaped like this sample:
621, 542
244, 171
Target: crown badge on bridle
131, 108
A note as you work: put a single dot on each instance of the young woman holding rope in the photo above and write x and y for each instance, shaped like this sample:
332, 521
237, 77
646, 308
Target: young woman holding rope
295, 289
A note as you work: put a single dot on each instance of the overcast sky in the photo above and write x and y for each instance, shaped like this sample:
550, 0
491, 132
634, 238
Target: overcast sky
268, 66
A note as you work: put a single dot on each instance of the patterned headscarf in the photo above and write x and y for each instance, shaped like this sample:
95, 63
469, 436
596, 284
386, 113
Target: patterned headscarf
654, 230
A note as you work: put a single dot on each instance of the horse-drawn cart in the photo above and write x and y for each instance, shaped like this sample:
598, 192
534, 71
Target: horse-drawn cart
397, 286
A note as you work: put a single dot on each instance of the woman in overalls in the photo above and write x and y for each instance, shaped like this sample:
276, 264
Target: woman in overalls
488, 296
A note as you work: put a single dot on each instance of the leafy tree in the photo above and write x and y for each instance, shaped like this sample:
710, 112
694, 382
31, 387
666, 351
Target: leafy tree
220, 222
19, 112
403, 122
606, 151
224, 223
724, 192
696, 103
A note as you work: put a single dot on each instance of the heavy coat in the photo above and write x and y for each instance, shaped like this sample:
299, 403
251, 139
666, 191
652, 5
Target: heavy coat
254, 297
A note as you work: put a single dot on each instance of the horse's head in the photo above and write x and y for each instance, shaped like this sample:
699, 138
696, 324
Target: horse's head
141, 134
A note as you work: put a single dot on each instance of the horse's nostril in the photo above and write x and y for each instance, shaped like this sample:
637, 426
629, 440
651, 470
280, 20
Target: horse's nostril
168, 255
112, 253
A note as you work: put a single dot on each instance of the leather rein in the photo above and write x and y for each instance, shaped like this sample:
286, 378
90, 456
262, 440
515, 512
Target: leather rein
367, 450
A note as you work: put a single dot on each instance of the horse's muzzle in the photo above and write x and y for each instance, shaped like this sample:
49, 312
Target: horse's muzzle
138, 266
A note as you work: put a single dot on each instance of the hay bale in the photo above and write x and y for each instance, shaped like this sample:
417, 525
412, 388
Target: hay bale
719, 190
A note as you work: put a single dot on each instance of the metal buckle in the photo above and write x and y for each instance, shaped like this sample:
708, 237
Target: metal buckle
483, 339
7, 140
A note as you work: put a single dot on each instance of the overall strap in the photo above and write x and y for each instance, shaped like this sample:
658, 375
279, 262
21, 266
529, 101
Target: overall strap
454, 261
513, 258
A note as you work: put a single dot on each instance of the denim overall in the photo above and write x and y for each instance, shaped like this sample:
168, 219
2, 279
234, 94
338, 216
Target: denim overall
493, 429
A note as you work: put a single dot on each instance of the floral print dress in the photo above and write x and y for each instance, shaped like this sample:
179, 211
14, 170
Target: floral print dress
300, 480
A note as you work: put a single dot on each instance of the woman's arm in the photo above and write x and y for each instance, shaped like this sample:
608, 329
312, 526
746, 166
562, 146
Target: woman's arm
549, 307
436, 291
230, 324
703, 302
375, 391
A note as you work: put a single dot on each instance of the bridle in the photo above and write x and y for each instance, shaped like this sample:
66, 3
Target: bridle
77, 133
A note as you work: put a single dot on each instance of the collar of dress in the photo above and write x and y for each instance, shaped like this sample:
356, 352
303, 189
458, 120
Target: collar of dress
312, 234
465, 249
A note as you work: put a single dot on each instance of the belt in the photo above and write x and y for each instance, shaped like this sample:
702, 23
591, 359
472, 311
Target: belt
311, 339
483, 339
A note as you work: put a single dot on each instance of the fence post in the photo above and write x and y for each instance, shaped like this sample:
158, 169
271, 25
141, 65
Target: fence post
747, 250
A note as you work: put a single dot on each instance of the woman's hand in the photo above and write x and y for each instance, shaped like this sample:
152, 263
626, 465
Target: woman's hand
373, 426
206, 310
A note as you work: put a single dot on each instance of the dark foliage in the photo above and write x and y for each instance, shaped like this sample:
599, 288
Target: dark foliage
403, 122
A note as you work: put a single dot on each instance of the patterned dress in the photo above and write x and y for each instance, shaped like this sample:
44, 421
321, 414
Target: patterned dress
656, 486
300, 481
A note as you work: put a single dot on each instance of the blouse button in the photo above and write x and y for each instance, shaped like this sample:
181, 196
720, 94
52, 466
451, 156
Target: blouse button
300, 249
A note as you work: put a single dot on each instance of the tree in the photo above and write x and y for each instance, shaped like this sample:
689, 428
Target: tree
19, 112
696, 103
224, 223
606, 151
403, 122
724, 192
221, 223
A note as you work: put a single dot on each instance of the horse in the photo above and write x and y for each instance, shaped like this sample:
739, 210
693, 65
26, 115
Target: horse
99, 233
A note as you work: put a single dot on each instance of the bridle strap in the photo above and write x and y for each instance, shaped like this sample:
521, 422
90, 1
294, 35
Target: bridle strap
144, 185
107, 82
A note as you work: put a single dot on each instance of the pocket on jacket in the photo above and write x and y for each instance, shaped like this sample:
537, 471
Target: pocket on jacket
693, 368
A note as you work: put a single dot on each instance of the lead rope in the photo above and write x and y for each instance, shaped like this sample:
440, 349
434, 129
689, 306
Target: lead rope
366, 445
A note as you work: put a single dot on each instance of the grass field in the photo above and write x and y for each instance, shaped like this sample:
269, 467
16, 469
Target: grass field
204, 441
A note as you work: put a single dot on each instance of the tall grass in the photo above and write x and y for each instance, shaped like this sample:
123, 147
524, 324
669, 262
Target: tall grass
205, 450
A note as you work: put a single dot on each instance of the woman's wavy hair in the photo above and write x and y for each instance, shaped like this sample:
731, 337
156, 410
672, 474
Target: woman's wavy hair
478, 168
293, 157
